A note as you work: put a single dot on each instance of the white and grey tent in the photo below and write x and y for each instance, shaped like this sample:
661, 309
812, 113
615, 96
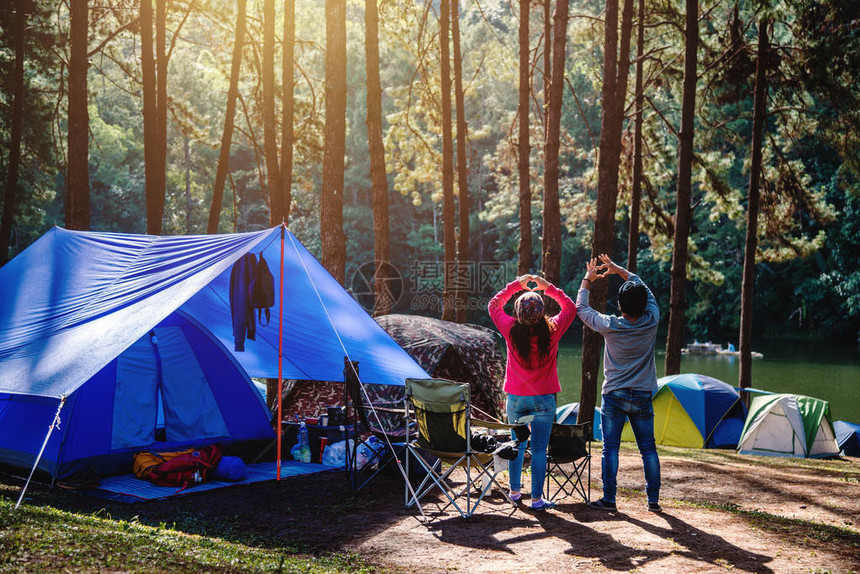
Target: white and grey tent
788, 425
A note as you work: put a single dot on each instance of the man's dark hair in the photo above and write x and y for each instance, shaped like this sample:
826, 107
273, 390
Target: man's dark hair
632, 298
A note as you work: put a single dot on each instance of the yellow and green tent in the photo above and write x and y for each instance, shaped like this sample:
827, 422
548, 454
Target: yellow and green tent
695, 411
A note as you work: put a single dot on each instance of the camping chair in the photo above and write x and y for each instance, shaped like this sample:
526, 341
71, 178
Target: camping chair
442, 411
569, 461
385, 420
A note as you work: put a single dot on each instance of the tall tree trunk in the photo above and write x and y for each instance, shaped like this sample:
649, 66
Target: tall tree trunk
270, 125
288, 108
78, 199
188, 204
159, 189
524, 264
381, 249
447, 164
230, 114
15, 137
616, 68
748, 286
678, 297
150, 114
331, 200
547, 52
462, 165
551, 258
636, 191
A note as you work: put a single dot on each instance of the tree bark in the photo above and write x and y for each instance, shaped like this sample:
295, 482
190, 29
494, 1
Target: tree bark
15, 136
227, 134
462, 165
288, 108
331, 200
551, 258
449, 239
748, 285
636, 188
678, 297
547, 52
78, 199
188, 204
383, 301
524, 264
150, 113
616, 68
159, 189
270, 127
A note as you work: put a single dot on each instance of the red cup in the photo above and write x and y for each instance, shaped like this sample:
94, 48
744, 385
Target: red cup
323, 443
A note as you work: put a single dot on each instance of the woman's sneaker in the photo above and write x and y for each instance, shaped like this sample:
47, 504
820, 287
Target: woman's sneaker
541, 505
603, 505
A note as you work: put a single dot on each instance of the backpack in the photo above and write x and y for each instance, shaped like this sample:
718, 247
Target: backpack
184, 468
262, 290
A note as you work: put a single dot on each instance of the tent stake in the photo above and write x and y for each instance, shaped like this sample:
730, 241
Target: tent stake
54, 423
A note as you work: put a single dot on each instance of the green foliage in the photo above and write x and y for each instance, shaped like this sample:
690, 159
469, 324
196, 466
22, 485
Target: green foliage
808, 235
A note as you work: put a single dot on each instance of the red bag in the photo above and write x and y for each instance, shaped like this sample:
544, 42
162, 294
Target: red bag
186, 469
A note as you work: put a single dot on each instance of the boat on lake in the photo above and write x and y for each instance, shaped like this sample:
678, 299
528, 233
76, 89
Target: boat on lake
709, 348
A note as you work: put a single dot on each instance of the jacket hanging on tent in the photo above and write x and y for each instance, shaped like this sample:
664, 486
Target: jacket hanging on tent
241, 276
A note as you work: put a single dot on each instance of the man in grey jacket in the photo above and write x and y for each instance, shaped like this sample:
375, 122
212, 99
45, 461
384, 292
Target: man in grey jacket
630, 376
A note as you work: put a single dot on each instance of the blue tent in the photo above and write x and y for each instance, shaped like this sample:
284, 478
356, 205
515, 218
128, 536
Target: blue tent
567, 415
848, 437
79, 310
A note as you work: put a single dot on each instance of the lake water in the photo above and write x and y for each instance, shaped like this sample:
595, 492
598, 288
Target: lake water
818, 369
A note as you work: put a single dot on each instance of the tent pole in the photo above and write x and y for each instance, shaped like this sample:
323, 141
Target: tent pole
280, 350
54, 423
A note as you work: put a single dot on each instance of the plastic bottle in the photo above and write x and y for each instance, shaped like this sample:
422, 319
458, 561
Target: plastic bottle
302, 451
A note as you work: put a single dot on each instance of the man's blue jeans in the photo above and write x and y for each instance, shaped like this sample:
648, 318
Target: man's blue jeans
543, 408
624, 404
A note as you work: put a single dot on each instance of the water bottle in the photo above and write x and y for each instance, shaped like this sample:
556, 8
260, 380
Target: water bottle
303, 452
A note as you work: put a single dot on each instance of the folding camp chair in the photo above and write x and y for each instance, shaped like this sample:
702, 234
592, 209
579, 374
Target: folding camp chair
442, 411
569, 461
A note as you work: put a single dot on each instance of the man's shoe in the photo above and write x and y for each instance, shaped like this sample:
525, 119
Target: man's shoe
654, 507
603, 505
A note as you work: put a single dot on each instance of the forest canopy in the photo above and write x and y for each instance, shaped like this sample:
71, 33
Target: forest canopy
463, 148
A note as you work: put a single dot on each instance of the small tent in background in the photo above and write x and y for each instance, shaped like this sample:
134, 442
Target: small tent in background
788, 425
848, 437
78, 311
464, 353
567, 415
695, 411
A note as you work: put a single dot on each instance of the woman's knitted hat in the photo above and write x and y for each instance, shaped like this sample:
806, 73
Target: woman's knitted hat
529, 308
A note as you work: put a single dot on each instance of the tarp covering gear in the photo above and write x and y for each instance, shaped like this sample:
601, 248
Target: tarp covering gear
695, 411
848, 437
467, 353
74, 303
788, 425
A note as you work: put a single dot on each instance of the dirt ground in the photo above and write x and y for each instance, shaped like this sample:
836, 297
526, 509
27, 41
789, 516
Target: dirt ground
721, 512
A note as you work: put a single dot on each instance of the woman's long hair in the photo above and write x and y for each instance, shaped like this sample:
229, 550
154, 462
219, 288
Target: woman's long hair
521, 337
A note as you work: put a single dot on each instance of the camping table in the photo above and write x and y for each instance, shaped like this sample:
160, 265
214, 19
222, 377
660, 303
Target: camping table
334, 433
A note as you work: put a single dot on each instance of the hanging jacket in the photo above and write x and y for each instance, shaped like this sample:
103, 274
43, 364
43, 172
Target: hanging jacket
241, 275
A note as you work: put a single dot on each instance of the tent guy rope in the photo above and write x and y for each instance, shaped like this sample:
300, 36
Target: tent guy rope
54, 424
355, 372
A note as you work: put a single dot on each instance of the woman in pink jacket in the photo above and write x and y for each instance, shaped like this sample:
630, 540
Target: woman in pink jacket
531, 373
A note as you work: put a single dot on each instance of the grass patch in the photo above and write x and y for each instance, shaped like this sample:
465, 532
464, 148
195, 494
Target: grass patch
39, 538
787, 528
